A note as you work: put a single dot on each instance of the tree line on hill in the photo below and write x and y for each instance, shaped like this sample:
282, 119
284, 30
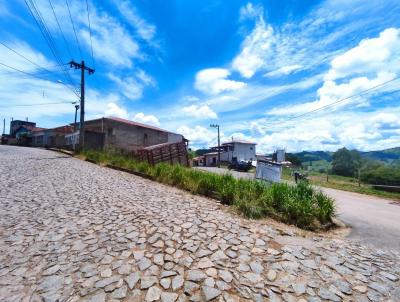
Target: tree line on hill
377, 167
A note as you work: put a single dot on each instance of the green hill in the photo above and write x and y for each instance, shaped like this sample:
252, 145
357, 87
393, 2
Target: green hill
386, 155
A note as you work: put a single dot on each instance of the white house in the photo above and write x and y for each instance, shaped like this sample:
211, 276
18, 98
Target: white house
239, 150
235, 150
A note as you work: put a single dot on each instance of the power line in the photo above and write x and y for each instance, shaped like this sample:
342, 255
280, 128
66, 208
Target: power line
37, 65
37, 104
48, 38
73, 27
59, 27
33, 75
337, 102
90, 33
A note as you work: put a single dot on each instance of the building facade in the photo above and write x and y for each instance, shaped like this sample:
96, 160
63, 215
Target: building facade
126, 135
238, 150
19, 126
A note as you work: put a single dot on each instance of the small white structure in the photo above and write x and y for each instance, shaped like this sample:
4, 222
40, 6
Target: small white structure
269, 171
238, 150
280, 155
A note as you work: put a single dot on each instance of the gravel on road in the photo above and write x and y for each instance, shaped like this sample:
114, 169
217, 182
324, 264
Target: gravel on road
74, 231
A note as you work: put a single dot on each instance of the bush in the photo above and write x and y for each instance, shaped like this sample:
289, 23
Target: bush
301, 204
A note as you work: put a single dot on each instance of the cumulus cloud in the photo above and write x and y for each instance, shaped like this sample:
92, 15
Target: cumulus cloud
200, 112
198, 135
370, 64
363, 130
146, 119
213, 81
371, 55
115, 110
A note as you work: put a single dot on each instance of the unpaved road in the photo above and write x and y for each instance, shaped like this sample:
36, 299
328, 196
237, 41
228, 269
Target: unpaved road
373, 220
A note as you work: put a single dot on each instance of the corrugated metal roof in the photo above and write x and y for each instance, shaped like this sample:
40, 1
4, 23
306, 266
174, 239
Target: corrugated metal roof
129, 122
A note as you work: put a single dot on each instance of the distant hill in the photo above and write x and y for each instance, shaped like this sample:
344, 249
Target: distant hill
314, 155
386, 155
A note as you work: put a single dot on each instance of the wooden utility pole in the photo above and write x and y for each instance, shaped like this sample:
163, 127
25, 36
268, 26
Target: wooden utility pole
82, 67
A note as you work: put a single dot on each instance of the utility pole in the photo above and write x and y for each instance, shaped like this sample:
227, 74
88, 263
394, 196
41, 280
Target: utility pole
82, 67
219, 147
76, 113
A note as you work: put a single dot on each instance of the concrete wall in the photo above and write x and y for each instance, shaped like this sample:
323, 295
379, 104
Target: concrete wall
128, 137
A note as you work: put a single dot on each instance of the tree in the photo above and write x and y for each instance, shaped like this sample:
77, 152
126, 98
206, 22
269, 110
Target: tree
294, 159
346, 162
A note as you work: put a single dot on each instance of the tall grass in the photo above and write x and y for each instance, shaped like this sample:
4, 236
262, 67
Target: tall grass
301, 204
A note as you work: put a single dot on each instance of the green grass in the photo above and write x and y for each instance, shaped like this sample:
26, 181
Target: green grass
342, 183
301, 205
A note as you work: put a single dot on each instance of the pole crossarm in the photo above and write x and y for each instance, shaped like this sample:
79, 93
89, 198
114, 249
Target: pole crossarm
79, 66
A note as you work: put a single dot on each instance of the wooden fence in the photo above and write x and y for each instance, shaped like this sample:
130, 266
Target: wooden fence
173, 153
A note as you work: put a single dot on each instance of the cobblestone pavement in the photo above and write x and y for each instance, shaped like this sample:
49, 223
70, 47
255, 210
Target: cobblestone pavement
74, 231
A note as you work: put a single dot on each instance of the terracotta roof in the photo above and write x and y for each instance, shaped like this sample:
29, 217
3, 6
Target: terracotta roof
37, 129
240, 141
63, 129
133, 123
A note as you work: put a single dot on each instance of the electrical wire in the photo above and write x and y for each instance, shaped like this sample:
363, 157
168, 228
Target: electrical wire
48, 38
333, 103
73, 27
90, 33
61, 31
37, 65
37, 104
33, 75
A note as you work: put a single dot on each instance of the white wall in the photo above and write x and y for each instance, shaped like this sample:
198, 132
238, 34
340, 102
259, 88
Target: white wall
241, 151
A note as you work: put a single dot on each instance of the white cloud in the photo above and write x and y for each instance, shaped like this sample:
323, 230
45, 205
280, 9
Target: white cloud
285, 70
198, 135
371, 55
213, 81
331, 92
372, 63
112, 42
254, 49
146, 119
200, 112
250, 11
145, 30
115, 110
363, 130
132, 87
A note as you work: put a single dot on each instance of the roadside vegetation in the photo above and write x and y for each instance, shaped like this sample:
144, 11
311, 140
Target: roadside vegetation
301, 205
352, 171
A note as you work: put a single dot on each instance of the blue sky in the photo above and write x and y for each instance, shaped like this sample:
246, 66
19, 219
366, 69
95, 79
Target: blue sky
266, 71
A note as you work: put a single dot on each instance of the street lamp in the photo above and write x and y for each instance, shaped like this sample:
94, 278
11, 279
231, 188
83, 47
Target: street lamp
219, 151
76, 112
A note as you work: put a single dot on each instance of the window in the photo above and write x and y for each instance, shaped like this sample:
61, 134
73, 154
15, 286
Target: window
251, 148
110, 131
145, 139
